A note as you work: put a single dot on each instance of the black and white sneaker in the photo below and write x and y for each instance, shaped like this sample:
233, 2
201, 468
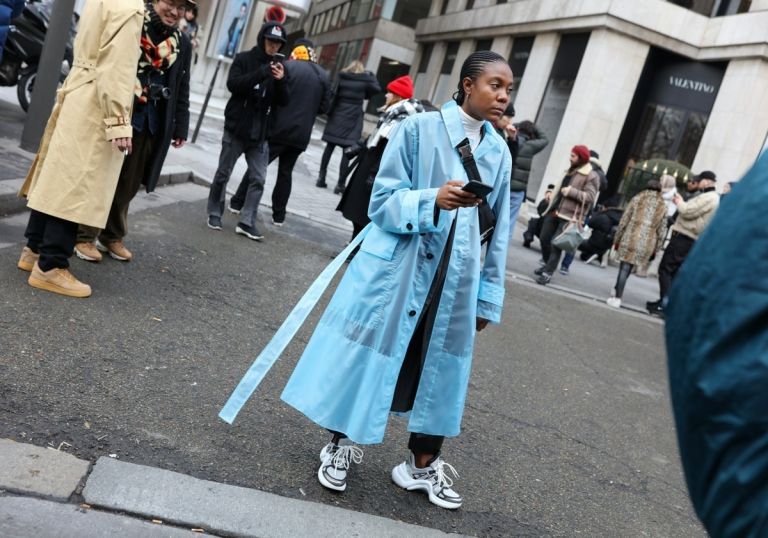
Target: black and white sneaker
214, 222
335, 462
234, 210
251, 232
433, 479
544, 278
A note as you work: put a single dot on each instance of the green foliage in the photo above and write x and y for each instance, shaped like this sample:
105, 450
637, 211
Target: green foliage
638, 176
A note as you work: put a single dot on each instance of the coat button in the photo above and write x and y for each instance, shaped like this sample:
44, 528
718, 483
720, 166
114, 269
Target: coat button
430, 255
409, 226
412, 313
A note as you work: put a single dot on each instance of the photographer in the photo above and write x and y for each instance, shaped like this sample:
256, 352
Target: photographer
160, 119
257, 81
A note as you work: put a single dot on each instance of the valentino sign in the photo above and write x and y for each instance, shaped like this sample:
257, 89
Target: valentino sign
690, 84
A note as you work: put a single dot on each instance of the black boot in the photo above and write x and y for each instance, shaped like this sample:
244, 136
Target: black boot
321, 180
339, 188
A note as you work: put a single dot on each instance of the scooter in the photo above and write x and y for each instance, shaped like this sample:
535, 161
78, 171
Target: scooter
24, 46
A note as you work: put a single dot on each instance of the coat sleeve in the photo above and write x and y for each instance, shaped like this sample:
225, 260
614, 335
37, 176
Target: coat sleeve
696, 207
240, 81
116, 69
325, 101
18, 7
490, 300
395, 205
181, 117
373, 87
625, 219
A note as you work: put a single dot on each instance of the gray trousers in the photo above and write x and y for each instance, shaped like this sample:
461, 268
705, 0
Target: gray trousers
257, 159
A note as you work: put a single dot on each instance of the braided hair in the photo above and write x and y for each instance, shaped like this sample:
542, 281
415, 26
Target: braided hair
472, 67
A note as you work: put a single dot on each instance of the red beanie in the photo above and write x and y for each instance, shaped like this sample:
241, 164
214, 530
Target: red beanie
402, 86
582, 152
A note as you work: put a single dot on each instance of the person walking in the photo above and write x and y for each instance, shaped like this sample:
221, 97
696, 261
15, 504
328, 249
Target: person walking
398, 105
576, 194
160, 119
640, 235
345, 119
692, 217
257, 82
309, 93
530, 141
398, 333
9, 10
74, 174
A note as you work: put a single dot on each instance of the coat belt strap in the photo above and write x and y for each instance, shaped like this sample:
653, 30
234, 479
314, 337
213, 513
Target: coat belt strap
285, 333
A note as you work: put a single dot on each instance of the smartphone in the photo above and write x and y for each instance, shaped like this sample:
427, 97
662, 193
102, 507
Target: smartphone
278, 57
478, 188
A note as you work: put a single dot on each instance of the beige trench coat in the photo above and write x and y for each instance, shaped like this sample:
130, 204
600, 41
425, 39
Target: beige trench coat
75, 172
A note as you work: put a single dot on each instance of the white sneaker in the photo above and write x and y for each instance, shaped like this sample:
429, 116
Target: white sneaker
432, 479
336, 460
614, 302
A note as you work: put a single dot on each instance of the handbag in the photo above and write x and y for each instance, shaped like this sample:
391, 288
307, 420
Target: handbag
485, 215
574, 233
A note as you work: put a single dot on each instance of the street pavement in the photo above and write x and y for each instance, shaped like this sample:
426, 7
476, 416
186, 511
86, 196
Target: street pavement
567, 428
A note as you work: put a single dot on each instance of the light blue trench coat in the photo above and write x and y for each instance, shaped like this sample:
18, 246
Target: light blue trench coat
346, 377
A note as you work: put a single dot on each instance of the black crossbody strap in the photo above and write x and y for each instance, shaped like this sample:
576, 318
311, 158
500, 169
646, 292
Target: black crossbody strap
485, 214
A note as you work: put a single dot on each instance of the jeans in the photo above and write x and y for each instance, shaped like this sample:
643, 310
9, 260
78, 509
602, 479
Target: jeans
288, 156
257, 158
51, 237
625, 269
515, 202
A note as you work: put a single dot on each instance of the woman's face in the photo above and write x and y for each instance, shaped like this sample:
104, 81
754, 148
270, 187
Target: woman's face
390, 99
487, 96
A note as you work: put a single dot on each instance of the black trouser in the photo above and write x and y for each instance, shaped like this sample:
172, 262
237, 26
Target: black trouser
288, 156
343, 165
550, 228
674, 256
625, 269
51, 237
418, 443
534, 229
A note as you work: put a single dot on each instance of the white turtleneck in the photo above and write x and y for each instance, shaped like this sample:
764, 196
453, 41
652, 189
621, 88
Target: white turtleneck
472, 128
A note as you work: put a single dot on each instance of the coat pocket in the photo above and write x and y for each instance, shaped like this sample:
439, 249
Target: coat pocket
380, 243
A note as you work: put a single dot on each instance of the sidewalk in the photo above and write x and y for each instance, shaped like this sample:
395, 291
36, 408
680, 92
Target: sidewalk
47, 492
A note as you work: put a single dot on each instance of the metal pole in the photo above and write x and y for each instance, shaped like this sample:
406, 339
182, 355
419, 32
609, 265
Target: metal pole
207, 98
48, 74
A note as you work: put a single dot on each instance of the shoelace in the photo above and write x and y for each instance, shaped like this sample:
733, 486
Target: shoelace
443, 480
345, 455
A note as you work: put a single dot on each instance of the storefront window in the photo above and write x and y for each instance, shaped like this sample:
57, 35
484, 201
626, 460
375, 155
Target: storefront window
409, 12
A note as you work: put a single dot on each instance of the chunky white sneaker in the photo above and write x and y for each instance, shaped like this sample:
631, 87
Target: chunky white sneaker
614, 302
432, 479
336, 460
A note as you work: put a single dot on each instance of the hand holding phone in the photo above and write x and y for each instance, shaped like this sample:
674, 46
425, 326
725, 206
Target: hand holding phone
479, 189
278, 58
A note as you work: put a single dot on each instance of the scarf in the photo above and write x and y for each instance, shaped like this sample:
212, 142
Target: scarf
159, 50
391, 117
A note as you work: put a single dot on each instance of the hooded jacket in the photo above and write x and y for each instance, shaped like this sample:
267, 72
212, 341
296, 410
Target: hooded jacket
527, 148
254, 91
345, 119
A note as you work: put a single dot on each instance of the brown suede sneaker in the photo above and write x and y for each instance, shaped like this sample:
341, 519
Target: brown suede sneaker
58, 280
88, 252
117, 250
27, 259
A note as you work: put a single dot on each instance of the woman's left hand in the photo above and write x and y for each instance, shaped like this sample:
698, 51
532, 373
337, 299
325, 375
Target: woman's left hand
480, 324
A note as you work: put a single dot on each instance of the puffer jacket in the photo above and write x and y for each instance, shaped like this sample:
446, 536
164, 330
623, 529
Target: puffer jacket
694, 215
527, 148
345, 119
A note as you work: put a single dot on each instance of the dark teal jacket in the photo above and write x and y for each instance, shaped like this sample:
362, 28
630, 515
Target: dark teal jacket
717, 342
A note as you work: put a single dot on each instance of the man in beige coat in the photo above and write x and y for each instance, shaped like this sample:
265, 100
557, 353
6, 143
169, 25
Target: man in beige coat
693, 216
73, 177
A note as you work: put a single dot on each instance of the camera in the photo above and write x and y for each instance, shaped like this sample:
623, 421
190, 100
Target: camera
158, 91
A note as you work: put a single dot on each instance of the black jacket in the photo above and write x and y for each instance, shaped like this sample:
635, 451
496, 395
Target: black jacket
345, 119
254, 91
174, 115
527, 148
309, 94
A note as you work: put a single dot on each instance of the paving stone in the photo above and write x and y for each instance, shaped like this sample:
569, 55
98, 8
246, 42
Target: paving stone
220, 508
39, 471
22, 517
